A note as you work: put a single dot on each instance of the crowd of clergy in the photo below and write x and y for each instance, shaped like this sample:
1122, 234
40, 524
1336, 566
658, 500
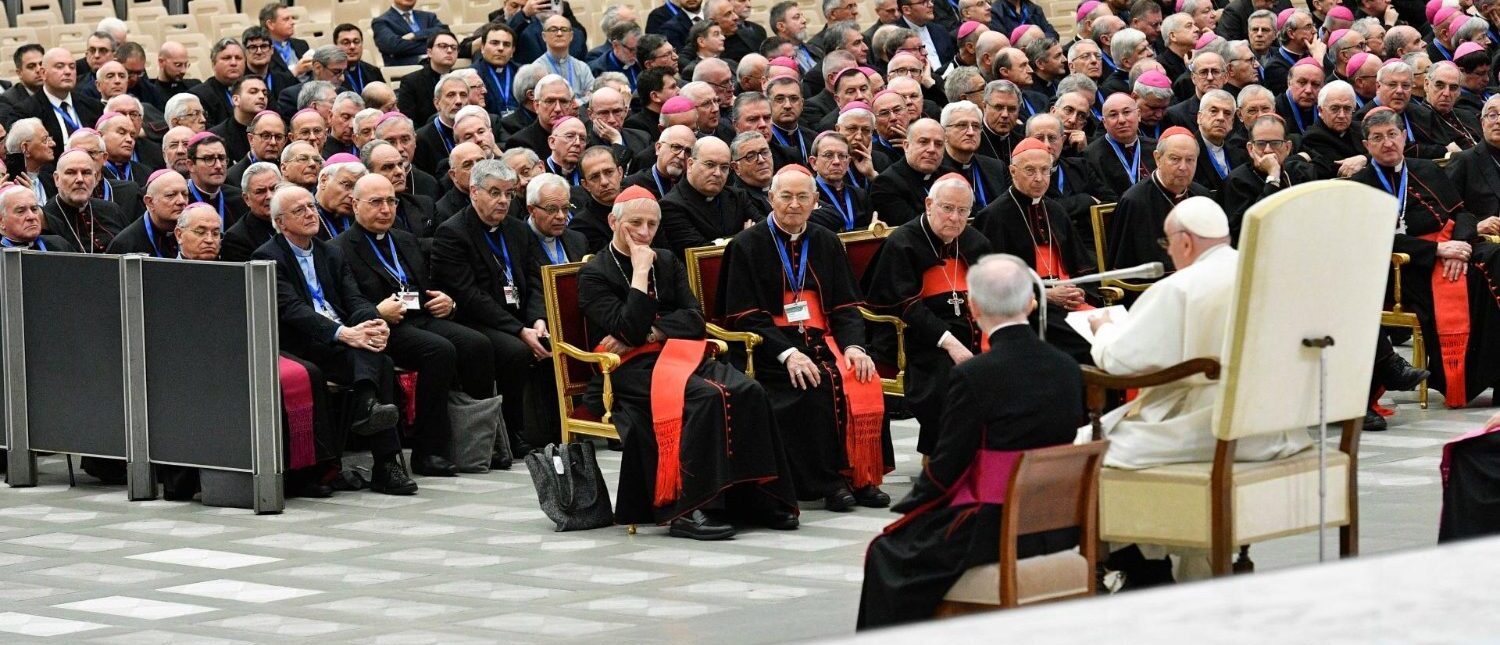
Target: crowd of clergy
409, 223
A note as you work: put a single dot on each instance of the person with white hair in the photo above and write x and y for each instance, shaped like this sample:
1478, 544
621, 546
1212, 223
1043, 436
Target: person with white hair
28, 138
257, 184
198, 233
1397, 84
677, 409
333, 197
554, 100
703, 207
963, 123
1332, 144
185, 110
812, 361
21, 223
1021, 394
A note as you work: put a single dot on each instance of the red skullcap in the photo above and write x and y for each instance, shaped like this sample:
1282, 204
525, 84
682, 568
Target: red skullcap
1027, 145
1174, 131
794, 168
633, 193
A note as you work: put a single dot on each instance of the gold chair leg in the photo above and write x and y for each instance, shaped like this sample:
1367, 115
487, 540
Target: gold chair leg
630, 529
1419, 359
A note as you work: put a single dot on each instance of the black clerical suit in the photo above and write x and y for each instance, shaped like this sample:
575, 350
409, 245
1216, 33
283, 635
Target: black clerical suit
248, 234
1112, 167
144, 236
89, 229
309, 335
88, 110
591, 220
1460, 125
228, 203
899, 194
469, 263
414, 96
988, 177
1135, 228
1424, 139
689, 219
1325, 148
894, 285
1245, 186
393, 262
45, 243
1077, 190
842, 209
1020, 395
1208, 173
752, 292
1476, 174
998, 146
214, 96
729, 438
653, 180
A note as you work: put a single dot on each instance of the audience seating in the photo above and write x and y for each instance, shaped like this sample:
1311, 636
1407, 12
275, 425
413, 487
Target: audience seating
1398, 317
861, 247
1113, 290
575, 367
1050, 489
704, 266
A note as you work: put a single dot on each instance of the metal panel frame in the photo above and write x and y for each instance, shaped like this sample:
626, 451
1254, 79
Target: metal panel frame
265, 386
20, 462
140, 480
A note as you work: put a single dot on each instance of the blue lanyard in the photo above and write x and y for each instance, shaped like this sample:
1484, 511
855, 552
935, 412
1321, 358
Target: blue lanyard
1286, 56
1297, 111
979, 195
1409, 137
118, 173
562, 254
501, 251
656, 176
1131, 169
558, 171
1221, 170
553, 64
356, 77
676, 13
847, 212
1400, 196
68, 120
330, 222
315, 289
151, 235
786, 262
781, 138
1442, 50
107, 190
1023, 16
268, 84
40, 245
1108, 61
394, 266
855, 178
1062, 179
628, 71
1030, 110
445, 137
502, 88
199, 197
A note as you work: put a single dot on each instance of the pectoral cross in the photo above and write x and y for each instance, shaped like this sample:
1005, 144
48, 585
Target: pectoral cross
957, 303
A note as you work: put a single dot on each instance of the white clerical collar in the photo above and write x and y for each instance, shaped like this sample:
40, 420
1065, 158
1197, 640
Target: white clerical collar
545, 237
297, 250
793, 236
379, 237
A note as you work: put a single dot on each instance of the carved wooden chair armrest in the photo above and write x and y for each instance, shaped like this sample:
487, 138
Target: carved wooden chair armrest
1398, 260
900, 326
1097, 382
749, 338
608, 362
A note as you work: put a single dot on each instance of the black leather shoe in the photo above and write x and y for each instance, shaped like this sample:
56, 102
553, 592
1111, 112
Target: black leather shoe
519, 447
390, 477
1399, 375
840, 501
872, 497
374, 418
699, 526
781, 520
316, 490
1374, 422
432, 465
501, 462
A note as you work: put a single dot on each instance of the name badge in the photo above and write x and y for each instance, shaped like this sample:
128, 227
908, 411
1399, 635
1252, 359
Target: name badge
410, 300
512, 297
797, 312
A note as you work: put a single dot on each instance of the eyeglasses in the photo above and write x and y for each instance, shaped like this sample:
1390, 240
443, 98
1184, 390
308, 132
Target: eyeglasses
447, 47
269, 137
1490, 116
312, 159
1393, 85
833, 156
1379, 139
312, 132
382, 202
758, 155
208, 159
205, 231
1208, 72
259, 47
669, 52
967, 125
952, 209
1267, 144
675, 149
558, 30
554, 210
1166, 241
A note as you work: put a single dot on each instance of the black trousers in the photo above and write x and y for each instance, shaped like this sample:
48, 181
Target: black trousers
514, 368
431, 347
358, 368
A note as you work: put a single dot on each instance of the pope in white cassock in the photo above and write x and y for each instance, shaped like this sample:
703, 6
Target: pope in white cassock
1181, 317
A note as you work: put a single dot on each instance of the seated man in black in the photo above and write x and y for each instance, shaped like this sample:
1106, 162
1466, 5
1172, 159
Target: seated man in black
391, 271
676, 411
325, 320
257, 184
1020, 395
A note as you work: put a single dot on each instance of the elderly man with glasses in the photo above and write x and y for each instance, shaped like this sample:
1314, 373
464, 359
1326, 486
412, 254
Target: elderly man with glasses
1424, 139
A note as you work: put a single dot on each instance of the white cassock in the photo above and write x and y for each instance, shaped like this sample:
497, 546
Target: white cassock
1183, 316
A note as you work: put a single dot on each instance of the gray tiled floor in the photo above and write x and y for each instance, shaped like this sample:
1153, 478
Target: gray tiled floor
473, 560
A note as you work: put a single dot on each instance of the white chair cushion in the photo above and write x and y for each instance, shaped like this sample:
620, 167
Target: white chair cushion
1169, 505
1043, 577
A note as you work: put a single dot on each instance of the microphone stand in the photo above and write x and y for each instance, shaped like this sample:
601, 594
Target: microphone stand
1147, 270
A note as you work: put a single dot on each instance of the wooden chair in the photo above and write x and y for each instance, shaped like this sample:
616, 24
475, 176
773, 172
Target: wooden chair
1112, 290
1270, 385
704, 266
1398, 317
861, 247
1050, 488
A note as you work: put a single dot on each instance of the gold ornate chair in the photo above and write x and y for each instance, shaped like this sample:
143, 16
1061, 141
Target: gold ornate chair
1398, 317
861, 247
1050, 488
1112, 290
704, 266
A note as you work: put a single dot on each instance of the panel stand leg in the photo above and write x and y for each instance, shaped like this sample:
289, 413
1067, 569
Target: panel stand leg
20, 463
140, 481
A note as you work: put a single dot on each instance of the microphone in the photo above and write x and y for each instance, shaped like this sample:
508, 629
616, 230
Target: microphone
1148, 270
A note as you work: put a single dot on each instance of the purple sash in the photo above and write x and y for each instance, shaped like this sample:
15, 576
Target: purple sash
987, 479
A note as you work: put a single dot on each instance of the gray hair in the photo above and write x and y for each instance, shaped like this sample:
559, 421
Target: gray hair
178, 104
450, 77
288, 151
949, 181
112, 26
611, 17
850, 114
752, 63
700, 71
81, 134
107, 36
1379, 118
333, 170
1035, 118
1263, 14
1077, 83
740, 140
952, 109
1001, 86
350, 97
1251, 91
121, 98
1386, 70
544, 180
552, 79
1412, 58
1074, 50
957, 83
313, 91
1332, 88
1366, 26
1472, 27
1125, 42
471, 111
183, 220
21, 132
1189, 6
1000, 286
1218, 95
526, 153
256, 169
328, 55
617, 78
365, 114
526, 80
1292, 22
1174, 22
283, 192
1396, 38
395, 118
741, 100
488, 169
1147, 91
368, 150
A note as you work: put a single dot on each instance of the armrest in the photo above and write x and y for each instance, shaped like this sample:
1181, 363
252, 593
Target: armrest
749, 338
1111, 295
607, 362
1398, 260
1096, 381
716, 347
900, 326
1127, 286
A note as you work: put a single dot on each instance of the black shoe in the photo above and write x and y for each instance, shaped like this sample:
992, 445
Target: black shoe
520, 447
316, 490
780, 520
1374, 422
615, 445
501, 462
872, 497
374, 418
432, 465
1399, 375
840, 501
390, 477
699, 526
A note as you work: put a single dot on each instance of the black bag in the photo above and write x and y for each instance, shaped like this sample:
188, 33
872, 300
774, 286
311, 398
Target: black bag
570, 487
478, 432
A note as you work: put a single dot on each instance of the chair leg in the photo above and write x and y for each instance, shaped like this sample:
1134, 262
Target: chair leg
1244, 564
630, 529
1419, 360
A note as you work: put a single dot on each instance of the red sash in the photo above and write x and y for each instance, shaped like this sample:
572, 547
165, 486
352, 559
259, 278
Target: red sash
1450, 310
935, 283
865, 402
1049, 265
297, 401
678, 360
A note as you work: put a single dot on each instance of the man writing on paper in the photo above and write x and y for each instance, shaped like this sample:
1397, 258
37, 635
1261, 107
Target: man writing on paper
1181, 317
700, 439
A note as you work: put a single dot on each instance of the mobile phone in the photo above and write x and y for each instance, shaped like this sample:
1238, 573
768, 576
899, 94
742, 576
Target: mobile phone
15, 165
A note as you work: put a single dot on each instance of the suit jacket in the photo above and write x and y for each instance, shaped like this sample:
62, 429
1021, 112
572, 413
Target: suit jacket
532, 136
1324, 147
375, 282
1207, 176
215, 99
362, 74
88, 111
575, 246
299, 47
414, 97
464, 267
242, 239
1473, 171
433, 146
1184, 114
994, 172
54, 244
300, 323
1110, 171
389, 28
236, 139
1245, 186
899, 193
109, 220
1426, 140
671, 22
135, 239
497, 101
15, 104
688, 219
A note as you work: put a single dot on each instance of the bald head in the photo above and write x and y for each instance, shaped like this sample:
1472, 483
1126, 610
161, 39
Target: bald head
58, 73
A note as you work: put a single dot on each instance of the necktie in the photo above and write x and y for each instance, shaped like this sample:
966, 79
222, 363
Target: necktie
411, 20
69, 119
